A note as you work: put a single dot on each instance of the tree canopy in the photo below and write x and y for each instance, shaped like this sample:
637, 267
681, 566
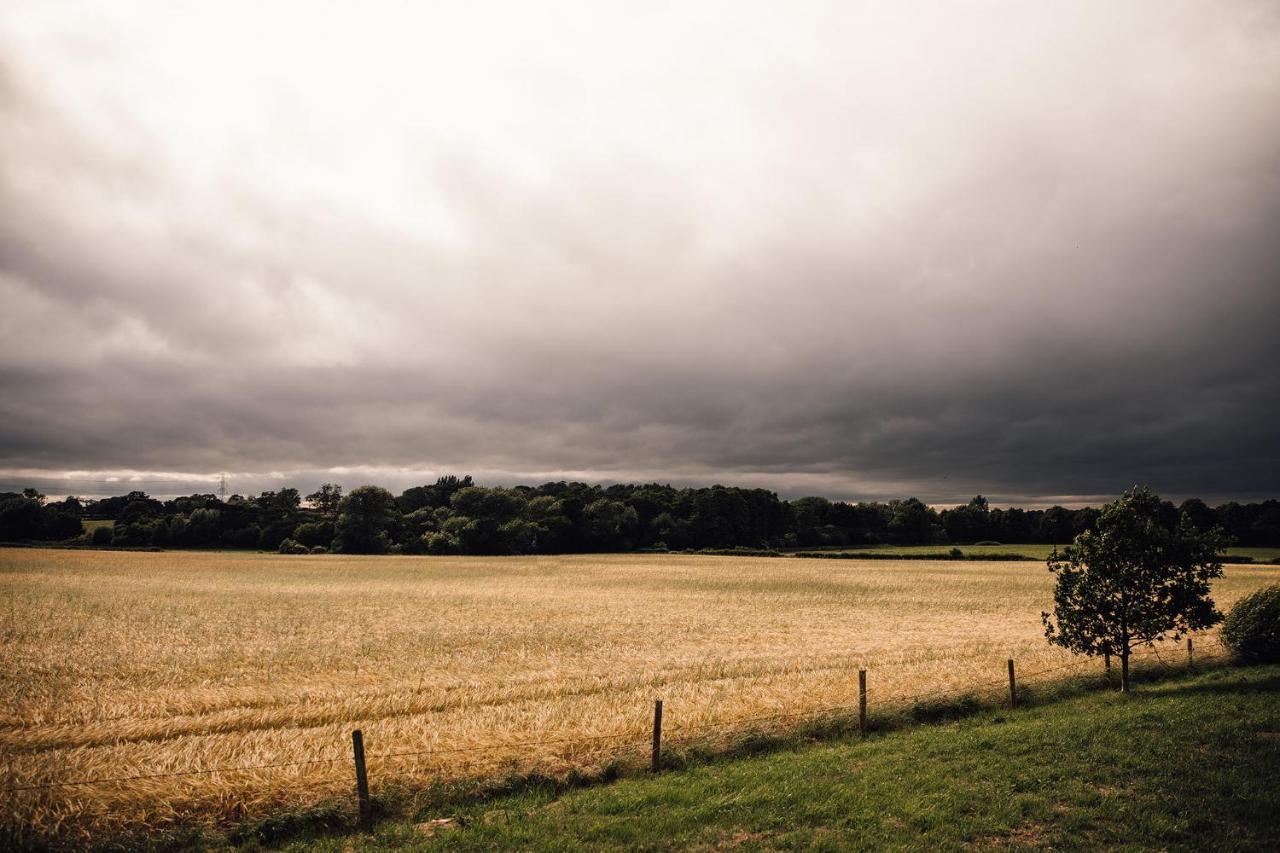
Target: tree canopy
1133, 579
454, 515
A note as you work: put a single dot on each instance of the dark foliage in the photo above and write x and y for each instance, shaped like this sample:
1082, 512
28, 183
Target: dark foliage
1252, 628
1141, 575
455, 516
367, 519
26, 517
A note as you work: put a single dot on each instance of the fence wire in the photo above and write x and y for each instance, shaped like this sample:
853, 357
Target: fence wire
641, 738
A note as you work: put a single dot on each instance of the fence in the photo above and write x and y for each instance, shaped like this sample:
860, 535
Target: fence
654, 740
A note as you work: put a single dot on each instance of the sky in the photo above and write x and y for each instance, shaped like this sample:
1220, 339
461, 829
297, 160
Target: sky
865, 250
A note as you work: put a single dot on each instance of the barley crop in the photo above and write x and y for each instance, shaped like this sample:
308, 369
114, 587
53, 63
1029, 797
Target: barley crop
122, 664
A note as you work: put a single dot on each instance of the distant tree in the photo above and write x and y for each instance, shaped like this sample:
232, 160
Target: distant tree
326, 499
810, 517
497, 505
1012, 525
720, 518
1265, 529
366, 518
913, 523
436, 495
670, 532
447, 485
21, 517
314, 533
610, 525
1085, 519
552, 526
203, 526
1056, 526
139, 510
1133, 581
1200, 515
60, 525
1234, 519
273, 506
968, 523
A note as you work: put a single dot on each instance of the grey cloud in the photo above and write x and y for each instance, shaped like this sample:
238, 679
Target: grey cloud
1040, 266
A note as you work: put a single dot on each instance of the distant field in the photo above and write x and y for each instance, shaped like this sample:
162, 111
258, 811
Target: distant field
129, 663
92, 524
1038, 552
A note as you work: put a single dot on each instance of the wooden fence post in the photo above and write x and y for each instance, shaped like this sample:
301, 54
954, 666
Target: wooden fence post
657, 734
862, 702
1013, 687
1190, 655
362, 777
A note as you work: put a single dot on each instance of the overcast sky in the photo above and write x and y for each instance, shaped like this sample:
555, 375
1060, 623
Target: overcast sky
862, 250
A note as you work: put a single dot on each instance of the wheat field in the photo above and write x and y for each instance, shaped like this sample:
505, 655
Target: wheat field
121, 664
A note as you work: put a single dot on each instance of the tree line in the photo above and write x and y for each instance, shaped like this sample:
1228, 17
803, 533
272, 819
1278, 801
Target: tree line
455, 516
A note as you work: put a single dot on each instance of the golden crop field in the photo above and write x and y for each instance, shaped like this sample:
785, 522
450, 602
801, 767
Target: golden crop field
142, 664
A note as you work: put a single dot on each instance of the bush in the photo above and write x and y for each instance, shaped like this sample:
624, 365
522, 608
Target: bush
313, 533
319, 549
956, 552
244, 537
1252, 628
101, 536
134, 534
441, 543
288, 546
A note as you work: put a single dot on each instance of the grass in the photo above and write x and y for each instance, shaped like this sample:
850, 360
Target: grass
1184, 764
127, 663
1035, 552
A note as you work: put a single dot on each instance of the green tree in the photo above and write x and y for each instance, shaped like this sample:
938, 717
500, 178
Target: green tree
913, 523
1132, 581
968, 523
609, 525
366, 518
326, 499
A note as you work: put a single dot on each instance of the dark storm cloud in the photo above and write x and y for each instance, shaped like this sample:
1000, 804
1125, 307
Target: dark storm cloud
863, 253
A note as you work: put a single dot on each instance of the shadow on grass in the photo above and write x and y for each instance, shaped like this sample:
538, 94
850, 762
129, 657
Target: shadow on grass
1271, 684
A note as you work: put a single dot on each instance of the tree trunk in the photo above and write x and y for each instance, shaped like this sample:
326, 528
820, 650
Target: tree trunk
1124, 670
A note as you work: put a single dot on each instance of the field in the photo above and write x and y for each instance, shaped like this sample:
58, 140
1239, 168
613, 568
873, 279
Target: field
1188, 763
1038, 552
140, 664
92, 524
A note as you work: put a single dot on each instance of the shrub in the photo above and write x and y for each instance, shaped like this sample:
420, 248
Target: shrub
319, 549
313, 533
101, 536
441, 543
956, 552
134, 534
244, 537
1252, 629
289, 546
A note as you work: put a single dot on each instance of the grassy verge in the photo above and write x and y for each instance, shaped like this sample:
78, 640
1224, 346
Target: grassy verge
1192, 762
